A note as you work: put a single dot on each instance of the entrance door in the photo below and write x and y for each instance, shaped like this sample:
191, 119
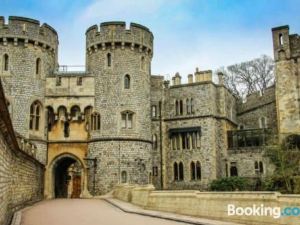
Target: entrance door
67, 178
76, 187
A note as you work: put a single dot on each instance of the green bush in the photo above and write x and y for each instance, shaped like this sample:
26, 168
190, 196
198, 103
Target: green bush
230, 184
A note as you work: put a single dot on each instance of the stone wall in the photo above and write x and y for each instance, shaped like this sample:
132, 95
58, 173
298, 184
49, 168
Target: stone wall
25, 42
257, 106
21, 174
212, 205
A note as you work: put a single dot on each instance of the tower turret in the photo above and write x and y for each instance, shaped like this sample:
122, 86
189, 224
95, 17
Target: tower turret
287, 70
120, 61
28, 53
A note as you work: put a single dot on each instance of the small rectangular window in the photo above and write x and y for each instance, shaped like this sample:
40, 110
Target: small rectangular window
58, 81
154, 113
79, 81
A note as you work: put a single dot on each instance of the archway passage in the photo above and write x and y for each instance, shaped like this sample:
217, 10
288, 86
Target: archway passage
67, 178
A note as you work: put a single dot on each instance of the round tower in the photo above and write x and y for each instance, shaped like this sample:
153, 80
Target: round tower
28, 53
120, 61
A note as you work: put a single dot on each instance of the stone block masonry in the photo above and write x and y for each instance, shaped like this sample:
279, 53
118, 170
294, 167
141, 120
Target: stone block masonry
21, 175
213, 205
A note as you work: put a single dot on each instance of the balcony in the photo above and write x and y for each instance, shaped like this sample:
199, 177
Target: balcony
238, 139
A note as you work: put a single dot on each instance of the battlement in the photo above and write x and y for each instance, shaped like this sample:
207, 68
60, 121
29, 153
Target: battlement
26, 30
200, 76
285, 45
114, 34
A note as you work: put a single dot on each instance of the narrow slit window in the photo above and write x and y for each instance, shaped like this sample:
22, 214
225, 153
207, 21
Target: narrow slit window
127, 81
5, 62
109, 60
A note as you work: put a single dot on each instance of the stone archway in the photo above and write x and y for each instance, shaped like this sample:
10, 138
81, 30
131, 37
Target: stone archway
67, 174
66, 177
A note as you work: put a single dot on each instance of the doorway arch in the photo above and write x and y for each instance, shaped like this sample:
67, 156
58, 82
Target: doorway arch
68, 176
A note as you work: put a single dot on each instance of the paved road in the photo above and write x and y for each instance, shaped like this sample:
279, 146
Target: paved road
84, 212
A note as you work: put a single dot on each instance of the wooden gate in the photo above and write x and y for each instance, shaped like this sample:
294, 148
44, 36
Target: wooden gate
76, 187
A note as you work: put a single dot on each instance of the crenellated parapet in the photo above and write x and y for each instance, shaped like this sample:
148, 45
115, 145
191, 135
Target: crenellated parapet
115, 35
24, 31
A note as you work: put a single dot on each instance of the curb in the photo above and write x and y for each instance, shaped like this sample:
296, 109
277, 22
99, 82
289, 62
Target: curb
155, 216
16, 220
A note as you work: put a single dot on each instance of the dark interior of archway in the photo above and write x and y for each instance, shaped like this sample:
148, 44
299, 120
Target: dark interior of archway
61, 177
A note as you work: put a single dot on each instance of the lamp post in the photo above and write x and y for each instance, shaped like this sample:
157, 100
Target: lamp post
94, 165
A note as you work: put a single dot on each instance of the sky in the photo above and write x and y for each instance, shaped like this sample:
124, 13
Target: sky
207, 34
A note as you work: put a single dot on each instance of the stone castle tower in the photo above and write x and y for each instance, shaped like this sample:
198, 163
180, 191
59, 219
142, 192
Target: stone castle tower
28, 55
287, 56
115, 122
120, 61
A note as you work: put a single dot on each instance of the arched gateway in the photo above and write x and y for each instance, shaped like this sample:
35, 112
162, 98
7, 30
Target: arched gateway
66, 177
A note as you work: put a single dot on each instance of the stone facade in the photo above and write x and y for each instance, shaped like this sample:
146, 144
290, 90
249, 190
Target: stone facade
119, 123
21, 174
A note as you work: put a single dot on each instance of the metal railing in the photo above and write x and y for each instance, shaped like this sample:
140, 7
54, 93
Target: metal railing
71, 69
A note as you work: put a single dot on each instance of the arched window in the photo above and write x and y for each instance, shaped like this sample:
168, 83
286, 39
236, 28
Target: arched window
154, 113
124, 177
261, 167
175, 169
233, 169
241, 126
75, 113
62, 113
193, 171
127, 119
95, 121
35, 114
263, 122
280, 39
143, 63
108, 59
87, 115
192, 105
188, 106
127, 81
38, 67
5, 62
181, 107
50, 117
177, 107
154, 141
181, 171
198, 170
256, 167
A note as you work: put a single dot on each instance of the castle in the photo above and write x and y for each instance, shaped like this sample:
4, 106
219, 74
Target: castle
117, 123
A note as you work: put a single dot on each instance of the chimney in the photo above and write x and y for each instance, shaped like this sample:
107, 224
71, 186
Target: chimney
177, 79
190, 78
221, 78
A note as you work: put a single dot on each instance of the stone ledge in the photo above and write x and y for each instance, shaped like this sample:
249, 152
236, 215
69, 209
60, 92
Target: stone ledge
129, 208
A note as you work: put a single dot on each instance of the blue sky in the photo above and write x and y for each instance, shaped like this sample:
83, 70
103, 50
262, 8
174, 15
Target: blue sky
188, 33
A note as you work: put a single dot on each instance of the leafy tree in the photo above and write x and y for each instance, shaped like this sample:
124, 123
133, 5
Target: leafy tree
286, 159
